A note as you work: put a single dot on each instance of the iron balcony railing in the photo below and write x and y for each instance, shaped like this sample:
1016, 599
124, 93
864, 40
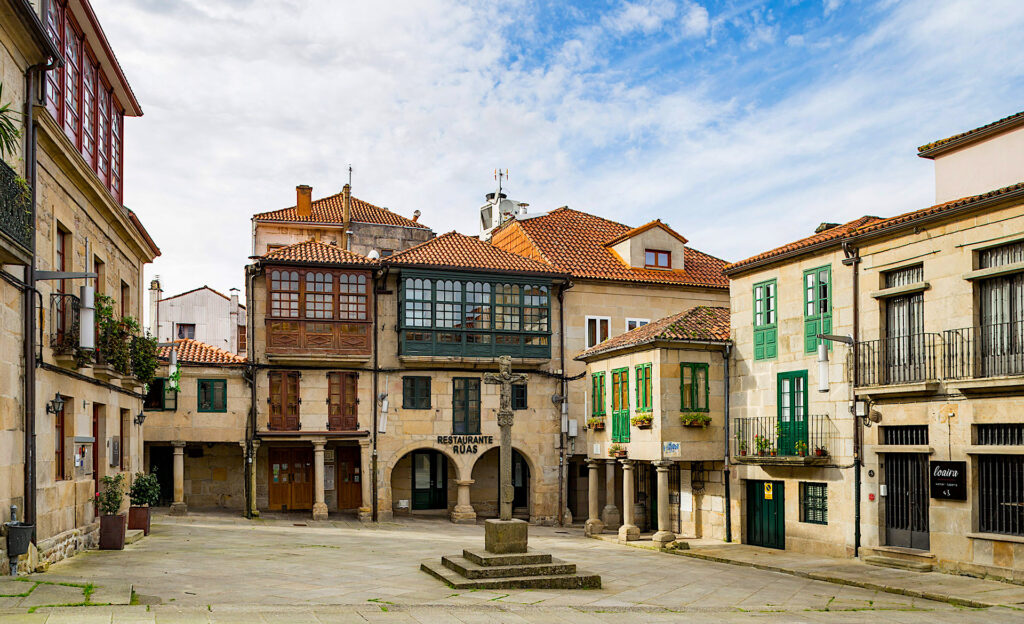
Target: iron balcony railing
65, 319
899, 360
813, 436
991, 350
15, 207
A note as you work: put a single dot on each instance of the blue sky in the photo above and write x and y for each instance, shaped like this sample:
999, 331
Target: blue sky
742, 124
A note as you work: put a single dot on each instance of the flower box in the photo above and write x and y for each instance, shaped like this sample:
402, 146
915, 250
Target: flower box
695, 420
597, 424
642, 420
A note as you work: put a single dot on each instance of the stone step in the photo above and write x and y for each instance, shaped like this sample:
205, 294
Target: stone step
133, 535
561, 581
899, 552
470, 570
899, 564
484, 558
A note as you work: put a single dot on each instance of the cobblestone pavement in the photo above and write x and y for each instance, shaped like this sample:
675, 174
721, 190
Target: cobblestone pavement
220, 568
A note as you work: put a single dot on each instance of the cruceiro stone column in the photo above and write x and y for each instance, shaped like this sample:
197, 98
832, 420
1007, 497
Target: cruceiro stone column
664, 535
610, 514
594, 526
178, 507
319, 506
365, 481
628, 531
463, 513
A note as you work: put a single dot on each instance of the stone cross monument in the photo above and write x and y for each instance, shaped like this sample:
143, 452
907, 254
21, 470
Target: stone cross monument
505, 378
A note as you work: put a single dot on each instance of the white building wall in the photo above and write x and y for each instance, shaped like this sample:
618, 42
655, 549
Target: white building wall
208, 310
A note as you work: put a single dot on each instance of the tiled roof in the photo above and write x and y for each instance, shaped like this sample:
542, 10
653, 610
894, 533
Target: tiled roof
908, 217
195, 352
698, 324
330, 209
1005, 123
203, 287
317, 253
832, 235
575, 242
643, 228
454, 250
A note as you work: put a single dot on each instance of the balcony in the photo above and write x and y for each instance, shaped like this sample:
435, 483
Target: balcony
899, 365
766, 440
307, 339
16, 227
64, 325
988, 356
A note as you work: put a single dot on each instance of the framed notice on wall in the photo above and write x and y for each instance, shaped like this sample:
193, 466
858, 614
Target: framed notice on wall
948, 480
329, 476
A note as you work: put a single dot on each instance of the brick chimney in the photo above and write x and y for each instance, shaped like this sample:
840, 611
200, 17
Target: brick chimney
303, 200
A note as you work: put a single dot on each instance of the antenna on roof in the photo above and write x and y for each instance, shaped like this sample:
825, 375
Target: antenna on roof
499, 175
350, 174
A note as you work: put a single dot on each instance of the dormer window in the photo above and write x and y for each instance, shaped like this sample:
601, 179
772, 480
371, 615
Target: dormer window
657, 259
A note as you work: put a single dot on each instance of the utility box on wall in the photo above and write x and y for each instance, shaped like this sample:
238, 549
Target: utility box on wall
114, 453
83, 446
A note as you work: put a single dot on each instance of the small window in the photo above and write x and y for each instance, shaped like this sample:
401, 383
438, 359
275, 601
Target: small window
465, 406
643, 388
416, 392
186, 330
272, 246
160, 396
387, 253
213, 395
126, 300
657, 259
632, 324
519, 396
241, 339
814, 503
597, 329
58, 443
693, 387
597, 392
765, 327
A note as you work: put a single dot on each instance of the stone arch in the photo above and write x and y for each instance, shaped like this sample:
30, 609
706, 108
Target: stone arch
483, 492
398, 477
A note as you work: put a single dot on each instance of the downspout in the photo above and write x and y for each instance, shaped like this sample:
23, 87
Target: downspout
725, 471
563, 417
373, 457
250, 377
853, 260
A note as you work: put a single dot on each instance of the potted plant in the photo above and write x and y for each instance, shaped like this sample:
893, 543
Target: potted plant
642, 420
741, 445
618, 451
112, 524
695, 419
801, 448
821, 451
143, 494
762, 444
596, 423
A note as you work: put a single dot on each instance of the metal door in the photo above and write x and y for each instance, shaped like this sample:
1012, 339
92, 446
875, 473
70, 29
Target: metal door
906, 500
766, 514
429, 480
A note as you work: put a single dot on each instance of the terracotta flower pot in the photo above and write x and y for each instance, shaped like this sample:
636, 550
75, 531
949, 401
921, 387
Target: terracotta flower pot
621, 454
597, 426
138, 518
112, 529
743, 452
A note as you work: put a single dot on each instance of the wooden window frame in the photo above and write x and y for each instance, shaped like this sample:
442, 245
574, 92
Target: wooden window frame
690, 401
60, 434
416, 392
212, 384
766, 337
620, 405
179, 326
242, 339
468, 416
657, 254
597, 330
817, 309
644, 387
639, 322
165, 392
814, 507
289, 384
342, 401
597, 394
336, 294
520, 399
126, 299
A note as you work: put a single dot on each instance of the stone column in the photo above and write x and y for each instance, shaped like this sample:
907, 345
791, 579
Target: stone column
463, 513
628, 531
365, 481
594, 526
664, 534
252, 480
178, 507
319, 506
610, 514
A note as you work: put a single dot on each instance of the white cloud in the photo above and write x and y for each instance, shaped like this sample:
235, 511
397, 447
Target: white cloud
830, 6
646, 16
695, 20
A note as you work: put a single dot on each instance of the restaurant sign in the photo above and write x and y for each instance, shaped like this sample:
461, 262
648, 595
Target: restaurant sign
949, 480
465, 444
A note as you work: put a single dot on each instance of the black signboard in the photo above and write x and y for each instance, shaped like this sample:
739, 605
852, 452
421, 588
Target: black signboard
949, 480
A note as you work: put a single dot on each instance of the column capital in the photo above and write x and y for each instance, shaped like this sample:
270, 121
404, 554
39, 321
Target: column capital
178, 444
593, 463
241, 443
627, 464
318, 443
465, 482
255, 443
365, 442
664, 464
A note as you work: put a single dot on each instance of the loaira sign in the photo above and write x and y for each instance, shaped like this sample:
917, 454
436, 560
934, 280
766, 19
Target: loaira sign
463, 444
949, 480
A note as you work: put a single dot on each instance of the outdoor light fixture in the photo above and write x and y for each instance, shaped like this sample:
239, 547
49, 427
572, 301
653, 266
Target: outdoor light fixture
87, 317
55, 405
822, 367
140, 418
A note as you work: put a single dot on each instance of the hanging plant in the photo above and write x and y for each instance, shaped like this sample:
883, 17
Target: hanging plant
143, 354
174, 379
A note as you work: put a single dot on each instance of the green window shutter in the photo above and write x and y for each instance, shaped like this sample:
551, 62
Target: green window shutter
817, 306
765, 320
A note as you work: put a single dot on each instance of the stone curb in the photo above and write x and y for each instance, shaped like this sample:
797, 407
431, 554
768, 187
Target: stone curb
816, 576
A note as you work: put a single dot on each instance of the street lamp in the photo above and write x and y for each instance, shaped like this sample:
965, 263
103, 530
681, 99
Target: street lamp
861, 409
56, 405
140, 418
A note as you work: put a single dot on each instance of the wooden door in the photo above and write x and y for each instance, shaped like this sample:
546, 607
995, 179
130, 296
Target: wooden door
284, 400
290, 483
348, 481
766, 515
792, 412
342, 401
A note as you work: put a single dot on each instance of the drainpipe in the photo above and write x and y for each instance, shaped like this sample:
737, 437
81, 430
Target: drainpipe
853, 260
251, 371
564, 413
725, 471
382, 281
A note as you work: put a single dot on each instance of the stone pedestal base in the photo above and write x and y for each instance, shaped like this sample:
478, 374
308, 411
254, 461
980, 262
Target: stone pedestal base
179, 509
319, 511
610, 516
593, 527
629, 533
463, 514
365, 514
663, 537
505, 536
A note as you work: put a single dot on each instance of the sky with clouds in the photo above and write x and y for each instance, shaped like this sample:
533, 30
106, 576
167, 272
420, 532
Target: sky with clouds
743, 124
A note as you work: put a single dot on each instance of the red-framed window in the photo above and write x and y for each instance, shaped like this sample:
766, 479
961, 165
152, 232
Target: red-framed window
657, 259
58, 445
89, 73
116, 137
103, 133
54, 24
72, 82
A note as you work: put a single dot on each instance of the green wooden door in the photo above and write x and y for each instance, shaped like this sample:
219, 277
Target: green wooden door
429, 480
792, 406
766, 515
620, 405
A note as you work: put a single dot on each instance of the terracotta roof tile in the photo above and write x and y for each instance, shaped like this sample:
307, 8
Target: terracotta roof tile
316, 252
195, 352
575, 242
833, 235
700, 324
914, 215
1000, 125
330, 210
457, 251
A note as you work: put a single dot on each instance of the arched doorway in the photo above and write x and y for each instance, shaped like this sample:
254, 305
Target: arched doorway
485, 493
422, 481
